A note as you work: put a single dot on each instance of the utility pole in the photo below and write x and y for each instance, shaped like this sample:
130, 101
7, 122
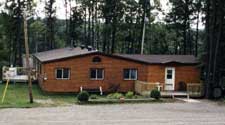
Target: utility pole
143, 39
27, 58
143, 30
67, 26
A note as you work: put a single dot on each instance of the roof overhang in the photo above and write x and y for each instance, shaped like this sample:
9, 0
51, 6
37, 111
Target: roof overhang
115, 56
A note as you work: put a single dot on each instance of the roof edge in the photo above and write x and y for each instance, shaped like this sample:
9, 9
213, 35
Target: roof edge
114, 56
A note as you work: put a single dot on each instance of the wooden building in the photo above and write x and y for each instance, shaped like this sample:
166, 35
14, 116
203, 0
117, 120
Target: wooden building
70, 69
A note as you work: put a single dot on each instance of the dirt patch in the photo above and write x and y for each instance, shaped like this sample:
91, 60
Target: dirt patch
44, 101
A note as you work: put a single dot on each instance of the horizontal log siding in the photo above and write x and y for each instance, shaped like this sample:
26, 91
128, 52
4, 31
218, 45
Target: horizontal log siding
185, 73
80, 74
113, 74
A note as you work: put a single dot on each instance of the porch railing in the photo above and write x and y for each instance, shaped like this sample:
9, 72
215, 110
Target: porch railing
141, 86
195, 89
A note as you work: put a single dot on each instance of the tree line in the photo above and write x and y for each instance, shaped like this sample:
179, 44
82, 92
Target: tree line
111, 26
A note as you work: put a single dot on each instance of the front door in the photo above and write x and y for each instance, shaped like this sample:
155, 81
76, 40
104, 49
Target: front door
169, 78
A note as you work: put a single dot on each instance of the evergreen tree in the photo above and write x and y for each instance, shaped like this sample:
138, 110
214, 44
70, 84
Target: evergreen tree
50, 24
215, 43
180, 17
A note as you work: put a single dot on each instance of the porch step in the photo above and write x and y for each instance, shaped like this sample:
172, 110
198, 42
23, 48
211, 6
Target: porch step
175, 94
189, 100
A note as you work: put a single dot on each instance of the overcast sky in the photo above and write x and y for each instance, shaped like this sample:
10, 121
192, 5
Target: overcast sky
60, 9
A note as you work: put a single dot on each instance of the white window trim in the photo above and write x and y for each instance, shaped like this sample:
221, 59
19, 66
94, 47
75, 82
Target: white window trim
62, 74
130, 74
96, 71
169, 73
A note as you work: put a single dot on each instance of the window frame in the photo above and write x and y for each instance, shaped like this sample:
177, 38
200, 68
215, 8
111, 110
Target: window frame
62, 77
130, 78
96, 73
169, 74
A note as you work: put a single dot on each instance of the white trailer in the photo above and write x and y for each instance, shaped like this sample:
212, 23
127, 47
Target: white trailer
14, 74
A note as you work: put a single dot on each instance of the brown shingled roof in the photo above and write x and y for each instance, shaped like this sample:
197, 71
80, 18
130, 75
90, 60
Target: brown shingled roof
161, 59
62, 53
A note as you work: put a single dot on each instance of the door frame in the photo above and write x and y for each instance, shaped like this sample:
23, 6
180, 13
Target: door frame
173, 77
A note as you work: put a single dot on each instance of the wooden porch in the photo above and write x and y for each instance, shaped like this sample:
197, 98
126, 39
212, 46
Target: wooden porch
192, 90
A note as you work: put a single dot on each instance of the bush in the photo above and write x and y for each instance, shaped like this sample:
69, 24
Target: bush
155, 94
129, 95
93, 97
115, 96
83, 96
136, 96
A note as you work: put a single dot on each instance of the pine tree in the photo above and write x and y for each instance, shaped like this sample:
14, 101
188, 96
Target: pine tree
50, 24
214, 58
180, 16
15, 10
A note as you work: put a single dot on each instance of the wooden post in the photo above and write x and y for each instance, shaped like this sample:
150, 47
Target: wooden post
143, 39
143, 30
4, 93
27, 58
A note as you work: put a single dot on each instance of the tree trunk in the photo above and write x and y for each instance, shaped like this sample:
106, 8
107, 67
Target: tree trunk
196, 37
89, 26
85, 26
105, 32
93, 25
218, 39
96, 26
114, 25
18, 34
143, 28
185, 27
113, 39
212, 21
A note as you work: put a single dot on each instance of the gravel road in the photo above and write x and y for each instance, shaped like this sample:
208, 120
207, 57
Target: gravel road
195, 113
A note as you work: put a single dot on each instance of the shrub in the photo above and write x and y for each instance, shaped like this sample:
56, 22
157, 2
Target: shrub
115, 96
136, 97
155, 94
129, 95
93, 97
83, 96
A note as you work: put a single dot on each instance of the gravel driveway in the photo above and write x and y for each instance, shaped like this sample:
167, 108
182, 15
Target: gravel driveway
199, 113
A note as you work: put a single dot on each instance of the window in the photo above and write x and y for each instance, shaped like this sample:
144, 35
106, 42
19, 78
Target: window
97, 74
169, 74
96, 59
63, 73
130, 74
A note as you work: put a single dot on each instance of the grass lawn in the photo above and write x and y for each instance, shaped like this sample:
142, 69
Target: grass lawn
17, 97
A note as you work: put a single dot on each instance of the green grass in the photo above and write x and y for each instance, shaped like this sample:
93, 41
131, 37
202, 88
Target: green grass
17, 97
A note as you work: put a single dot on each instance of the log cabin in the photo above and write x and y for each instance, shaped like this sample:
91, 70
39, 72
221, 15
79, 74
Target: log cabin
70, 69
